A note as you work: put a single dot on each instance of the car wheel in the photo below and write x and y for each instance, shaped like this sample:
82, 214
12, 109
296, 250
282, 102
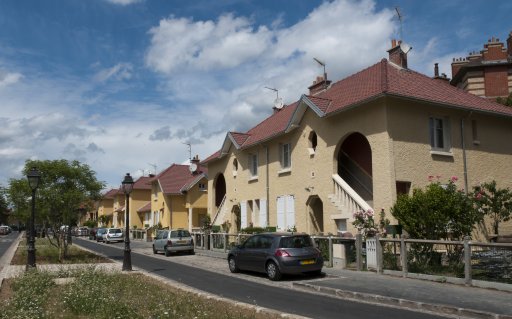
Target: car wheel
167, 252
273, 271
233, 267
191, 252
154, 250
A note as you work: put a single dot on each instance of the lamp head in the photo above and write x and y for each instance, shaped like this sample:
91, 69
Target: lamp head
127, 184
33, 176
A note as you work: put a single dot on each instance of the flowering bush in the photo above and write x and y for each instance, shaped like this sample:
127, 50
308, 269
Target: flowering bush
364, 222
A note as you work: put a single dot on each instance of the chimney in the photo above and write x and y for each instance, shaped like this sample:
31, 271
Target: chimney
319, 85
442, 77
436, 70
396, 55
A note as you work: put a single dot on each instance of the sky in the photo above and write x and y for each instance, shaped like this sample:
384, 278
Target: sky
124, 85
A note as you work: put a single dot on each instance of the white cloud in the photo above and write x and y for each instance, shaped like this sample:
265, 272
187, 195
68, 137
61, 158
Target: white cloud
120, 72
7, 78
124, 2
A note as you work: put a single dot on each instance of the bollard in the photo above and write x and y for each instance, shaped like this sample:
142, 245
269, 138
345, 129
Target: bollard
331, 262
225, 242
403, 256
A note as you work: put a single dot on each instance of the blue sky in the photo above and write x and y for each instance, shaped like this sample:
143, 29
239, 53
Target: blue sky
122, 84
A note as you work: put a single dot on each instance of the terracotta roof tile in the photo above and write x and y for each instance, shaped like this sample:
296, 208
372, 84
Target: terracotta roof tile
142, 182
239, 138
111, 194
176, 177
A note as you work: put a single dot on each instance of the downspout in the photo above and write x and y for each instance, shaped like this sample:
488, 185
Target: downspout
464, 161
267, 185
170, 211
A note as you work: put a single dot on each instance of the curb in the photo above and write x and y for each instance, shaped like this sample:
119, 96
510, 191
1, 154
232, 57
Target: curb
7, 257
401, 303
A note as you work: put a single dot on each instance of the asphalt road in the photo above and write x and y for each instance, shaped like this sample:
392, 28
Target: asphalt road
284, 300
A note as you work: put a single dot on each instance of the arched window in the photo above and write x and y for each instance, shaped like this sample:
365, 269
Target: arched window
235, 166
313, 142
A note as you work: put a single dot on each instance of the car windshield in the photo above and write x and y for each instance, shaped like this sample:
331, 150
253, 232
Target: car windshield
115, 231
101, 230
296, 242
179, 233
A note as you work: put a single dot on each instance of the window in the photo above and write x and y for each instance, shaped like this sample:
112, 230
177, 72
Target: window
286, 212
285, 155
341, 225
474, 128
253, 164
439, 134
313, 141
202, 186
402, 188
235, 166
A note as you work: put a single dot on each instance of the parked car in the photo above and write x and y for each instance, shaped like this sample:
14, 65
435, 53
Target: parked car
113, 235
82, 231
100, 232
276, 254
4, 230
174, 240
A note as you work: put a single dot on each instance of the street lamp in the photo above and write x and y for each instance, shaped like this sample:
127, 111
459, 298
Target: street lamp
33, 177
127, 189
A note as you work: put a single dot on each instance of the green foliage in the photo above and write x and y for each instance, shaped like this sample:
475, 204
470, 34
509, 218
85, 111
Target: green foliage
90, 223
4, 208
438, 212
505, 101
492, 202
252, 230
64, 187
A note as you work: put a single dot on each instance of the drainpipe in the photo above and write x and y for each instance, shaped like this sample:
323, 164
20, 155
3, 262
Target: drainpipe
267, 185
464, 162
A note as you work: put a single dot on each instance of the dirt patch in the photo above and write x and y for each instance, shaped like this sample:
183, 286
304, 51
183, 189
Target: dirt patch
6, 290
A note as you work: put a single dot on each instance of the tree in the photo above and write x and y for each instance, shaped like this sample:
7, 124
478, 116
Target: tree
65, 187
494, 203
4, 208
438, 212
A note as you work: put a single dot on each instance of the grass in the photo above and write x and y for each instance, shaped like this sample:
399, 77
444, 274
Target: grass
49, 254
97, 294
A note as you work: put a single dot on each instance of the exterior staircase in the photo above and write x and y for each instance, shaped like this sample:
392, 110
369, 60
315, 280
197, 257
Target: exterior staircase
221, 212
345, 199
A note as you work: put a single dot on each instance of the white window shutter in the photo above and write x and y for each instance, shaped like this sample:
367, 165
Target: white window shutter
290, 211
243, 214
263, 213
281, 213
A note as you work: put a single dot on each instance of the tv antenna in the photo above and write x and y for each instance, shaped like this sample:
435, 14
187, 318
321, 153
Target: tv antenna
152, 165
399, 15
278, 102
325, 73
189, 150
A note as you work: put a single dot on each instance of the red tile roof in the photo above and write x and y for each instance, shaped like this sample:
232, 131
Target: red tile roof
380, 79
145, 208
177, 178
110, 194
142, 182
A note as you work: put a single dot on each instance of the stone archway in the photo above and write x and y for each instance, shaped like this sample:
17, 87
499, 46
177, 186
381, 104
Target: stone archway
315, 209
355, 165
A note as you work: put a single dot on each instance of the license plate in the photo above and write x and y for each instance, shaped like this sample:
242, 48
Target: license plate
182, 241
307, 262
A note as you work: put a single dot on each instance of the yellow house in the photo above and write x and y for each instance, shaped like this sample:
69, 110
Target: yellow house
355, 145
179, 197
106, 208
139, 197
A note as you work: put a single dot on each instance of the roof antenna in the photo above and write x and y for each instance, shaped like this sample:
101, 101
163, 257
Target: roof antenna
189, 151
278, 102
399, 15
154, 167
325, 73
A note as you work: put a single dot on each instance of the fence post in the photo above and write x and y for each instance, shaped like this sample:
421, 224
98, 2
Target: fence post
467, 261
330, 252
225, 242
378, 249
210, 241
238, 239
403, 255
359, 252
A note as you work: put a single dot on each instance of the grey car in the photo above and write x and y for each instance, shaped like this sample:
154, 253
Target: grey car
100, 232
276, 254
174, 240
113, 235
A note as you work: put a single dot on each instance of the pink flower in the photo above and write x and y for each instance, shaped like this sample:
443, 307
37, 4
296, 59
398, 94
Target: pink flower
430, 178
453, 179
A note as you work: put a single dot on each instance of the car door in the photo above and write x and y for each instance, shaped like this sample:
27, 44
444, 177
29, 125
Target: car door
245, 253
161, 240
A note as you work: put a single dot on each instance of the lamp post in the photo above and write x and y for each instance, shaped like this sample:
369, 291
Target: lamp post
127, 189
33, 177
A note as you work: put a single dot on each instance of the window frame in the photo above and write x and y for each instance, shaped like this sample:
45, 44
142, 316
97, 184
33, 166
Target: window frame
253, 165
435, 130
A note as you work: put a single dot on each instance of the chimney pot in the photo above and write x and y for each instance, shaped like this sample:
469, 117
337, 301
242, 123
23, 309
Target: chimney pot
436, 69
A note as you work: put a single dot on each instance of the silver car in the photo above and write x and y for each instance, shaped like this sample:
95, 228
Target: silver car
113, 235
174, 240
277, 254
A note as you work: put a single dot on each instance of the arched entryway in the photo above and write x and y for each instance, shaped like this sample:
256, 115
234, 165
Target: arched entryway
220, 189
315, 208
355, 165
